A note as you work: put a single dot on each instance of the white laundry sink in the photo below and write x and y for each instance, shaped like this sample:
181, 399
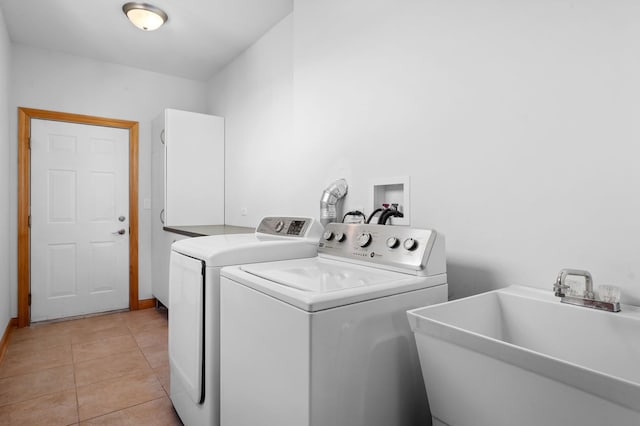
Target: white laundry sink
519, 356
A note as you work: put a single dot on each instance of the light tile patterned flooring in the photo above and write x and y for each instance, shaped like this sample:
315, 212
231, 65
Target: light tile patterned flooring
102, 370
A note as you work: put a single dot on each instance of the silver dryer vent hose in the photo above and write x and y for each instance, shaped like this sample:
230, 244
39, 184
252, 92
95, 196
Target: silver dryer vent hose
329, 199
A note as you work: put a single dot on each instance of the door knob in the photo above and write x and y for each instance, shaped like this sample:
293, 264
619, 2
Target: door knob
119, 232
121, 218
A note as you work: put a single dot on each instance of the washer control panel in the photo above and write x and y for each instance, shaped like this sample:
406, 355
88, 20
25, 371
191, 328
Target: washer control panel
396, 246
286, 226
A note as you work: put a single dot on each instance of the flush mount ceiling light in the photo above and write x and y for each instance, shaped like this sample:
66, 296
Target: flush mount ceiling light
145, 16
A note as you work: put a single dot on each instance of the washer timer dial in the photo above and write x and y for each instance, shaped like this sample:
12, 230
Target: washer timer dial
364, 239
410, 244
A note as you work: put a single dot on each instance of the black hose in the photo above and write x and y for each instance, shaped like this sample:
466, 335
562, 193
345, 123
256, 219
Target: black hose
373, 214
384, 217
354, 213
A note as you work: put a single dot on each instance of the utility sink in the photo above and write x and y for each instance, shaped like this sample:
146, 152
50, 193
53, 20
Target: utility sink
519, 356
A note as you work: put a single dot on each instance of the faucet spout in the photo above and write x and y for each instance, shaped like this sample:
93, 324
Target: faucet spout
560, 286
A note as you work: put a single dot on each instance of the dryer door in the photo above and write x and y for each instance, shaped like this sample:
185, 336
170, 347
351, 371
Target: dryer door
186, 326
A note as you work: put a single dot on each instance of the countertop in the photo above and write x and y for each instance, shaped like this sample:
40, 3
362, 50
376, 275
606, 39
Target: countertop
203, 230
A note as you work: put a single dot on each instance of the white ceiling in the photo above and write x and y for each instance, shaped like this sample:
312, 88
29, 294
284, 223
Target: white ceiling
200, 37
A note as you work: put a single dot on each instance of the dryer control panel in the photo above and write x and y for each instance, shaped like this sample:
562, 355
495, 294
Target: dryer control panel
392, 247
296, 227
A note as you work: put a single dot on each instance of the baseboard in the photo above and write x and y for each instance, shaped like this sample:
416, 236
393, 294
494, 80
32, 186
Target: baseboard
147, 303
4, 342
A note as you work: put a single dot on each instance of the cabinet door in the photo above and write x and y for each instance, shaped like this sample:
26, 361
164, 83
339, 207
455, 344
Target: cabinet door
157, 173
194, 169
161, 253
159, 244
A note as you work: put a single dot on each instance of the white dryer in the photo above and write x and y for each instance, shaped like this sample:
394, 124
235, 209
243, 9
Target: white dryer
325, 340
194, 304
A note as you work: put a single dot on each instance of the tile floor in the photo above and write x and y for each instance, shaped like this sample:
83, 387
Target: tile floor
103, 370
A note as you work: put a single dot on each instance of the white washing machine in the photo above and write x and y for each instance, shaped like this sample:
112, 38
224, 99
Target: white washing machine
194, 305
325, 340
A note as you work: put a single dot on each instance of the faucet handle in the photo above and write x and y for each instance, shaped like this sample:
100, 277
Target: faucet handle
559, 288
608, 293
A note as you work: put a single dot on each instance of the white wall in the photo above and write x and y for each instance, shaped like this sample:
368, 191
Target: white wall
52, 81
516, 121
254, 94
5, 176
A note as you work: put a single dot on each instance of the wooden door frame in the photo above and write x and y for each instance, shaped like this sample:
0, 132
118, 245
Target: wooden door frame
24, 187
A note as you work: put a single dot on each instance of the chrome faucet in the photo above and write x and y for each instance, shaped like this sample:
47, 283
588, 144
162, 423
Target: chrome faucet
560, 286
588, 299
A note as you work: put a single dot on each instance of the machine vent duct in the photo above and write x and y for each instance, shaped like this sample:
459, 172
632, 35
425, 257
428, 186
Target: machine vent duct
329, 199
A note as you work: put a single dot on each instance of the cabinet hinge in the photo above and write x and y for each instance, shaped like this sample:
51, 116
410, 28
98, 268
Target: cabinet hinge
29, 221
29, 301
29, 143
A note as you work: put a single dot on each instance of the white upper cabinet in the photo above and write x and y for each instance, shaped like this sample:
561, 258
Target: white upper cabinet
193, 168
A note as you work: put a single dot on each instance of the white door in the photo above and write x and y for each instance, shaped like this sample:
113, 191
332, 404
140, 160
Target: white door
79, 219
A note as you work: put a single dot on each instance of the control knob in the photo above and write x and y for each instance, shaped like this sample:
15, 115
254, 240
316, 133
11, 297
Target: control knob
340, 237
392, 242
328, 235
279, 225
364, 239
410, 244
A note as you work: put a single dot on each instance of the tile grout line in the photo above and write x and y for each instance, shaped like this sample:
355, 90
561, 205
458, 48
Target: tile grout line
121, 409
75, 386
155, 374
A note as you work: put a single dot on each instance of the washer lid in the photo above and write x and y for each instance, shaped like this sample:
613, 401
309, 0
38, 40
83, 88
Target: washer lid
320, 276
315, 284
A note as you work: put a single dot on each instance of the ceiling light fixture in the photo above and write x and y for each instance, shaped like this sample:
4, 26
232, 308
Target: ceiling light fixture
145, 16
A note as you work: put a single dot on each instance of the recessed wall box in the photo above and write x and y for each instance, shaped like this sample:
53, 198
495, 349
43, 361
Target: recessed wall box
392, 191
